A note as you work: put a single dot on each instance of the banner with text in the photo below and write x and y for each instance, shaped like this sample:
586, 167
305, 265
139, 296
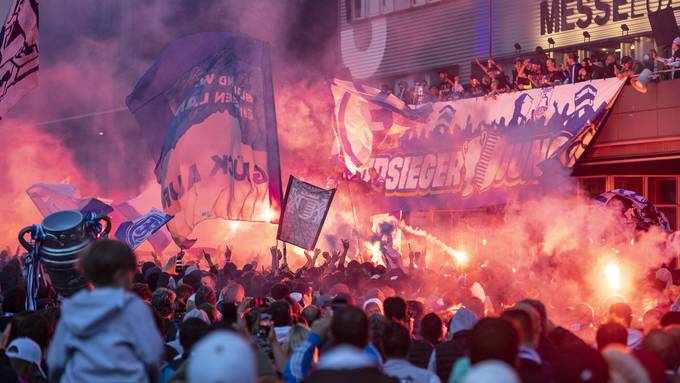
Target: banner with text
466, 153
304, 212
209, 100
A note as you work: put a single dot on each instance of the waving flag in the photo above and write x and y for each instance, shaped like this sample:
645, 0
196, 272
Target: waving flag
135, 232
125, 211
304, 213
51, 198
206, 108
471, 152
18, 53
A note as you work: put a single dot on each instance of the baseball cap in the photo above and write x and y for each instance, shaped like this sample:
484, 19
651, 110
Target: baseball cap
222, 356
25, 349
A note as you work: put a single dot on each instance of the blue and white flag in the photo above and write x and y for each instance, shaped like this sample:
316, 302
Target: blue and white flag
18, 53
206, 108
135, 232
471, 152
51, 198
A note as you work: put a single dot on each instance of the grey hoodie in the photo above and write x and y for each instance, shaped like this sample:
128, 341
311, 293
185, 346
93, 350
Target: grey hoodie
104, 335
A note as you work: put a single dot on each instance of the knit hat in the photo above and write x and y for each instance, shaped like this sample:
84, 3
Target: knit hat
463, 320
373, 300
25, 349
222, 356
491, 371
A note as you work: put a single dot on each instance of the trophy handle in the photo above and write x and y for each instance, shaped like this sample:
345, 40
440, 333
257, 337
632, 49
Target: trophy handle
22, 240
107, 228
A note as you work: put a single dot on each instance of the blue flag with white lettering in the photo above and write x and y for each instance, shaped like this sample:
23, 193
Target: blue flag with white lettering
135, 232
206, 108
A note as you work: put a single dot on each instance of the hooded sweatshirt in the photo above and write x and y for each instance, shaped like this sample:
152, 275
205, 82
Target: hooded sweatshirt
104, 335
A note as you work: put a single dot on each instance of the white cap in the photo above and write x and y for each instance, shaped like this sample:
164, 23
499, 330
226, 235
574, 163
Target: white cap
222, 357
25, 349
197, 313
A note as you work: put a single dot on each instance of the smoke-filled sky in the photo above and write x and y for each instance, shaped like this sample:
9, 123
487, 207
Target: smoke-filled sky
74, 127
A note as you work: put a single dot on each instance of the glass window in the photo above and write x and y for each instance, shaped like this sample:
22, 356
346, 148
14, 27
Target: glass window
418, 2
401, 4
357, 9
662, 190
387, 6
629, 183
593, 186
372, 7
671, 214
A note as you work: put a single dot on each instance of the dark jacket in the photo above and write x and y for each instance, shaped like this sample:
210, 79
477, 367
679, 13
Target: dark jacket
447, 353
532, 372
419, 354
358, 375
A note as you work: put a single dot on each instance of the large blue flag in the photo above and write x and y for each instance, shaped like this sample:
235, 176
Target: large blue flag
135, 232
206, 108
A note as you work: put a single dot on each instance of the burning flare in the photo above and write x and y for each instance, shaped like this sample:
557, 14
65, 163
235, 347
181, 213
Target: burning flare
462, 258
613, 275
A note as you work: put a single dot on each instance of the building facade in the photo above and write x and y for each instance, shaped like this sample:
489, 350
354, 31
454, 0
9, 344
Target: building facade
638, 146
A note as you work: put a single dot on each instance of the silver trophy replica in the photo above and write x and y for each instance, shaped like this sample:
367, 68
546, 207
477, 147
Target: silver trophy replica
56, 243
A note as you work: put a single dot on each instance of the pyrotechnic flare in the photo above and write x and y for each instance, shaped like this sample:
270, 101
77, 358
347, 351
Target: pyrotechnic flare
462, 258
613, 275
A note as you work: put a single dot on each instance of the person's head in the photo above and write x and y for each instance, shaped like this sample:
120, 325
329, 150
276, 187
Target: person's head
395, 309
431, 328
209, 280
233, 293
474, 82
550, 64
611, 59
486, 80
396, 340
580, 364
434, 90
663, 344
191, 331
311, 313
524, 326
626, 63
456, 79
14, 300
493, 338
583, 72
142, 290
490, 63
611, 333
109, 263
281, 313
572, 58
443, 74
222, 356
25, 357
279, 291
675, 45
349, 325
586, 62
163, 300
463, 320
622, 313
651, 320
297, 334
540, 308
517, 63
33, 325
203, 295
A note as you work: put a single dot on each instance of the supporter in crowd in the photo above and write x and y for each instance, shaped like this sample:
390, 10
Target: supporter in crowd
396, 342
445, 86
573, 68
554, 76
334, 322
457, 89
672, 62
104, 322
404, 93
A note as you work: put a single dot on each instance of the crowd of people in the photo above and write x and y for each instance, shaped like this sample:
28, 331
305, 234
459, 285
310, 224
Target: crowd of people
536, 71
332, 320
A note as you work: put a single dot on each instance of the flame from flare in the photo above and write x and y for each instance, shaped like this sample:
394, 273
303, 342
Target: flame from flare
268, 214
461, 257
613, 275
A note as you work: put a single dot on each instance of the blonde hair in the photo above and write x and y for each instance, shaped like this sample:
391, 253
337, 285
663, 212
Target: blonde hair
296, 335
